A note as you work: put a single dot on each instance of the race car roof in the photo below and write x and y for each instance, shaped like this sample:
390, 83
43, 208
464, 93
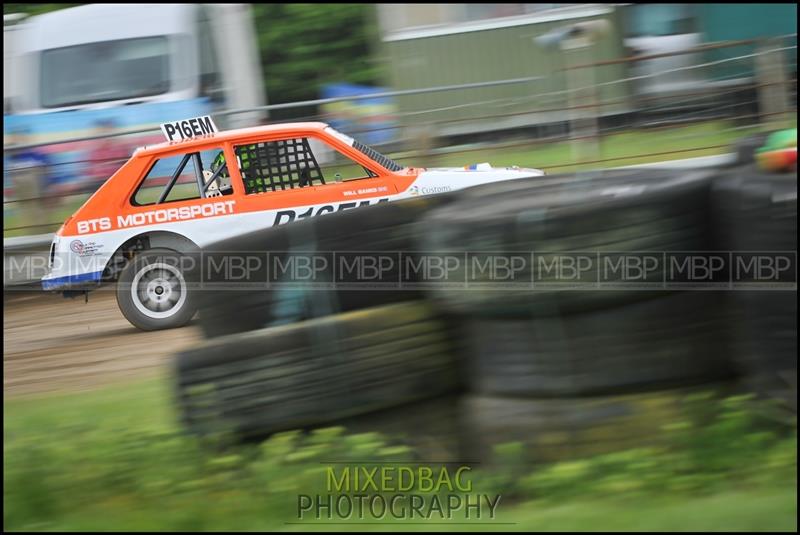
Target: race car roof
241, 134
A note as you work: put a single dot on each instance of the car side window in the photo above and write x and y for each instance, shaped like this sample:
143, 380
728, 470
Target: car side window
278, 165
195, 175
338, 167
294, 163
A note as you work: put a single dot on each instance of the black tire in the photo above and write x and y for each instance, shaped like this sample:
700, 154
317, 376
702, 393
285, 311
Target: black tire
315, 372
768, 346
756, 210
551, 430
674, 340
153, 292
384, 229
613, 212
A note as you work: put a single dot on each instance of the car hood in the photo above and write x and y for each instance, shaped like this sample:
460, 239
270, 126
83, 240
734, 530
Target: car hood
440, 180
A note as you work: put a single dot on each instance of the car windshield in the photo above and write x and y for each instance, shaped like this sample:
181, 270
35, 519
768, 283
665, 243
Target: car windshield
104, 71
385, 161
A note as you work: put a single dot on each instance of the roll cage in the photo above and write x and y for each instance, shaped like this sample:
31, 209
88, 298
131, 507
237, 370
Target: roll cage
270, 165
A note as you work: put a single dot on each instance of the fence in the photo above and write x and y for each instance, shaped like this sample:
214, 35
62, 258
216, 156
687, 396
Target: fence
699, 117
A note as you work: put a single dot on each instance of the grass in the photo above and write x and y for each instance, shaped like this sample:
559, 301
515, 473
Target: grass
615, 150
753, 510
764, 510
141, 405
627, 148
114, 458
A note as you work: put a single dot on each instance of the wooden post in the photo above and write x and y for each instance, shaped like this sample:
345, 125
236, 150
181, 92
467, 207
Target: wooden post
423, 141
582, 100
773, 90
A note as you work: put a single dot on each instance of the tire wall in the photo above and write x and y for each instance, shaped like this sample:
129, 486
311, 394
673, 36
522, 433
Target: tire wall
579, 372
756, 210
566, 373
266, 299
603, 215
317, 371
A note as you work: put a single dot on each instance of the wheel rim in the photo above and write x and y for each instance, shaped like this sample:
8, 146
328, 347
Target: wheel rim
158, 290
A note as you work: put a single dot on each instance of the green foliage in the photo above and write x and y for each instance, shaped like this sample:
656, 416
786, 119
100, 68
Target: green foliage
96, 460
34, 9
723, 444
304, 46
99, 471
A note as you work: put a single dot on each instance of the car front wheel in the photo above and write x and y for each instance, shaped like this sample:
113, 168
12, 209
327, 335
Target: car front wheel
152, 292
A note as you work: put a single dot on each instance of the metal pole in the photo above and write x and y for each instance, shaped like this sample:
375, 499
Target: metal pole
773, 98
582, 102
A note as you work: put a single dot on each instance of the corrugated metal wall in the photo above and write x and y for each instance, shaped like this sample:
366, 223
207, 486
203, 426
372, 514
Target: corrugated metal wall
496, 54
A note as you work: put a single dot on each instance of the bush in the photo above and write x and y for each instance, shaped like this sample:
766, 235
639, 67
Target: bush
96, 474
727, 443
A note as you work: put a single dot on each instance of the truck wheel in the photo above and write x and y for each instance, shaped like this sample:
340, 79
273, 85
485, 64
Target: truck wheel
152, 292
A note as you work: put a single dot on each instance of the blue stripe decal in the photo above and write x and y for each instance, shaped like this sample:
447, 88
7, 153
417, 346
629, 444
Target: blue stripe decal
70, 280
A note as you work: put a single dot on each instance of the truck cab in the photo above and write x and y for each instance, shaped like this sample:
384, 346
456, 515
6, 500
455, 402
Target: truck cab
89, 84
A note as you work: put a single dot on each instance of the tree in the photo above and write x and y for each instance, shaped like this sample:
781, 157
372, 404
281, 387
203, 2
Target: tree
34, 9
304, 46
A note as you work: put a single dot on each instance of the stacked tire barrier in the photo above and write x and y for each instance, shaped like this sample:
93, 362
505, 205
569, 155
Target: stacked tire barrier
315, 372
605, 215
228, 309
570, 372
672, 340
284, 356
566, 371
756, 211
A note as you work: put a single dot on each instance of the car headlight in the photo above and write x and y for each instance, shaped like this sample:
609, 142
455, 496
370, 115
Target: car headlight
52, 256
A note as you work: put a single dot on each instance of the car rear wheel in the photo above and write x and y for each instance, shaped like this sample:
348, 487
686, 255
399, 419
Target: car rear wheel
152, 292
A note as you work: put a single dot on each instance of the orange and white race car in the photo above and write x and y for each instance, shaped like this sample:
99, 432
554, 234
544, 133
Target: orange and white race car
202, 186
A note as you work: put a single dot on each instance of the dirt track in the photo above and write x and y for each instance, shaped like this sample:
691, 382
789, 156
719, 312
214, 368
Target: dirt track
54, 344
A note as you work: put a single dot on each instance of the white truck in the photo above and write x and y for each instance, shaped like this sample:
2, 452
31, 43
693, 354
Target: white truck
100, 69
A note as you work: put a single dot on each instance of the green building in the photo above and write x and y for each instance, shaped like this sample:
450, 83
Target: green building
435, 45
432, 45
